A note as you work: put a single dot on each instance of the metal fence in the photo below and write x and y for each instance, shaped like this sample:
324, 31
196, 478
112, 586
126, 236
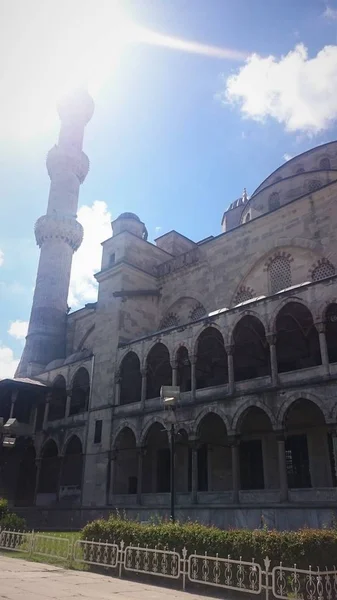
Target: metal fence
246, 577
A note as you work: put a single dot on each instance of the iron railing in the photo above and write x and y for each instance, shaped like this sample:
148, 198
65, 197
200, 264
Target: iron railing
248, 577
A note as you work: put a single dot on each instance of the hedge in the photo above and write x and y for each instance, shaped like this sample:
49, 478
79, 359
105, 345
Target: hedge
10, 520
316, 547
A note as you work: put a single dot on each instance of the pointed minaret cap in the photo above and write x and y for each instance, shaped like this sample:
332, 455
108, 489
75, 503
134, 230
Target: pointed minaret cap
244, 195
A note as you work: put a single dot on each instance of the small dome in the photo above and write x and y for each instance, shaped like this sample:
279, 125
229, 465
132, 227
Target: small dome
129, 215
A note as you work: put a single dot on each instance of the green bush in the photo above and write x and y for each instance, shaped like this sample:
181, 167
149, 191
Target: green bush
10, 520
3, 507
304, 547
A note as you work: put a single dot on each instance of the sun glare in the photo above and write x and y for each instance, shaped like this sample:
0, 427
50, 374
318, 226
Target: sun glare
84, 48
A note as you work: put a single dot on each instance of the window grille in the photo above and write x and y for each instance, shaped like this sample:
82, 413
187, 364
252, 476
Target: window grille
323, 269
274, 201
197, 313
324, 163
171, 320
314, 184
243, 295
280, 274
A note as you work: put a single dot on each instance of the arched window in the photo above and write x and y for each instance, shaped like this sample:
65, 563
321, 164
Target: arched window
274, 201
297, 343
72, 466
322, 270
50, 469
279, 273
80, 392
324, 164
159, 371
251, 350
171, 320
198, 312
57, 405
211, 365
243, 294
131, 379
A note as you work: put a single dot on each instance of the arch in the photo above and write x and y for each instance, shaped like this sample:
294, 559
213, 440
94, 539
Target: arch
274, 201
323, 269
156, 460
170, 320
183, 369
293, 398
211, 365
297, 342
131, 379
58, 400
158, 370
258, 449
80, 392
307, 445
251, 350
325, 164
126, 462
331, 331
125, 425
243, 294
245, 407
216, 410
72, 471
50, 471
84, 339
146, 428
214, 454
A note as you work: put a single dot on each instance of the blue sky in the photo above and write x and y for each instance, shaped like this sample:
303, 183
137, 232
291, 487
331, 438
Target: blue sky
175, 136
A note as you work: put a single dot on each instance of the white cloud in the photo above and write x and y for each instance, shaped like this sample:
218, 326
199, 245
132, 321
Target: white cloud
18, 329
1, 257
158, 228
330, 13
8, 363
287, 156
295, 90
96, 222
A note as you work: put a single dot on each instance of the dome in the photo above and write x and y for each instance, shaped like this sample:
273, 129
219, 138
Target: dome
129, 215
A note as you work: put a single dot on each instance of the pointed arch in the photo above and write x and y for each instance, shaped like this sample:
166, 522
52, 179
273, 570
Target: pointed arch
80, 392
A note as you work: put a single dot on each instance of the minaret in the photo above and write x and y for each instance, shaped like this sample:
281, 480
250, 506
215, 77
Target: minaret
59, 235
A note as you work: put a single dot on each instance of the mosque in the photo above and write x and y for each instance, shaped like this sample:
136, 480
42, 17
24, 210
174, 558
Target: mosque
243, 321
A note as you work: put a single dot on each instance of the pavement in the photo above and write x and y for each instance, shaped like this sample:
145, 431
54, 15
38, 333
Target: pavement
25, 580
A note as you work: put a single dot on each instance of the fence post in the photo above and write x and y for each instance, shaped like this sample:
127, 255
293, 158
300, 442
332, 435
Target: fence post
31, 545
184, 554
267, 566
121, 558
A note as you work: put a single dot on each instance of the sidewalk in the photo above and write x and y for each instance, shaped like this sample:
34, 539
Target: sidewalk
21, 579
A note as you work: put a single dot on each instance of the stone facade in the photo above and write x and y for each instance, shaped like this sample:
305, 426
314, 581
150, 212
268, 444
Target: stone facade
244, 322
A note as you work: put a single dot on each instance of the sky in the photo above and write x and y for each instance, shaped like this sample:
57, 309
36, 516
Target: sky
194, 100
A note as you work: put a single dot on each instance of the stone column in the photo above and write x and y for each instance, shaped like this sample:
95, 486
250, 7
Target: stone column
61, 461
117, 388
234, 444
141, 452
194, 490
193, 361
282, 467
38, 462
143, 388
34, 418
68, 404
271, 339
323, 347
174, 365
46, 410
112, 457
14, 396
230, 363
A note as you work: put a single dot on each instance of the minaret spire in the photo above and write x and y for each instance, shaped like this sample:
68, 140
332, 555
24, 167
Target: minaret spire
59, 235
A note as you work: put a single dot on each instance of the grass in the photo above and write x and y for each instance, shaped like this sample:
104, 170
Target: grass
72, 536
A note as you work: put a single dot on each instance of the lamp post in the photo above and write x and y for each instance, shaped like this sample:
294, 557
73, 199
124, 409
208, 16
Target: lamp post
170, 396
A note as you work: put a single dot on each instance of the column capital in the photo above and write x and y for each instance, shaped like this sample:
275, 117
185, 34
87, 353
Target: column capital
320, 326
193, 359
113, 454
233, 440
271, 338
280, 435
229, 349
141, 450
174, 364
